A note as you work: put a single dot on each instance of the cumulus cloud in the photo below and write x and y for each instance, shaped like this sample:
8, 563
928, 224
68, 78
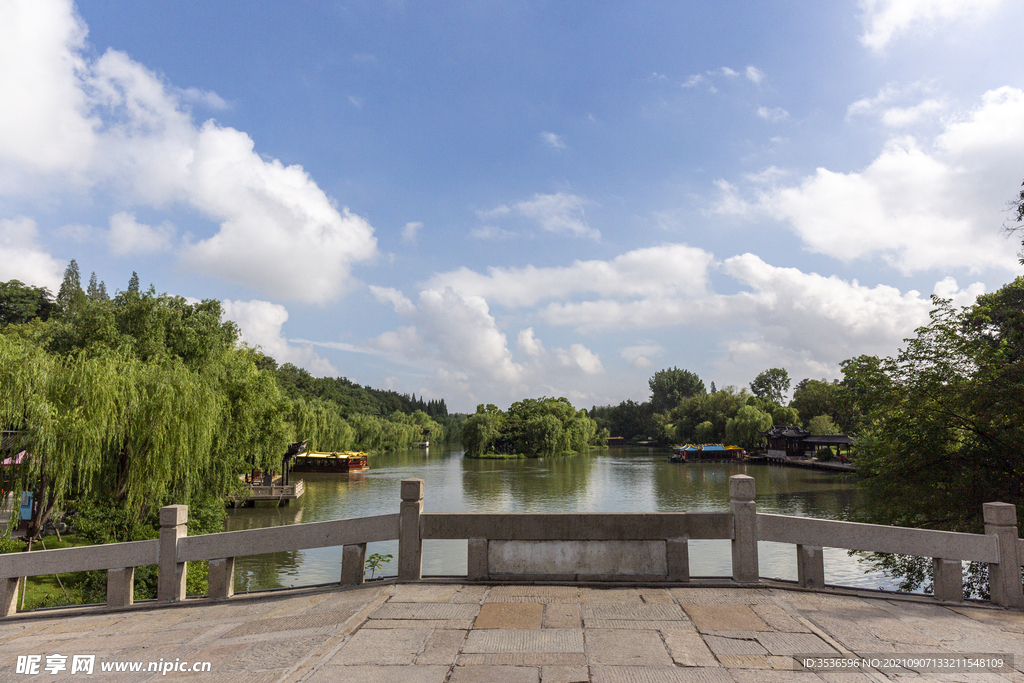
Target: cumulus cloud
754, 74
553, 141
128, 236
410, 231
671, 269
884, 20
726, 71
23, 258
559, 213
579, 356
640, 356
75, 121
261, 324
694, 79
920, 204
490, 232
390, 295
529, 344
884, 105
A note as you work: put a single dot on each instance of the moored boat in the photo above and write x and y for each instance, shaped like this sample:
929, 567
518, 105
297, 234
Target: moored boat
338, 461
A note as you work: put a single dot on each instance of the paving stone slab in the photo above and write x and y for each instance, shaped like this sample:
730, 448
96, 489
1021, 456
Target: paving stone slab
654, 596
772, 676
274, 655
423, 593
441, 647
425, 610
470, 594
844, 677
722, 596
688, 649
524, 640
657, 674
896, 631
724, 617
564, 674
304, 621
620, 595
523, 659
641, 625
557, 615
745, 661
382, 647
794, 643
534, 592
779, 619
509, 615
625, 648
379, 674
638, 612
447, 624
495, 674
734, 646
227, 677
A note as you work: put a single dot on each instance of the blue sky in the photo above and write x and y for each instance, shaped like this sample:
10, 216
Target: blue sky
485, 201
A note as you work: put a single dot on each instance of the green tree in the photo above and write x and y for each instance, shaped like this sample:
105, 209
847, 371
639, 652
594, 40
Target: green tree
745, 429
715, 408
771, 384
21, 303
482, 429
70, 296
822, 425
836, 399
669, 387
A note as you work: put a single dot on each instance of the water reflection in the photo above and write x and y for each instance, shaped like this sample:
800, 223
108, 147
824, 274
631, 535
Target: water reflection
616, 480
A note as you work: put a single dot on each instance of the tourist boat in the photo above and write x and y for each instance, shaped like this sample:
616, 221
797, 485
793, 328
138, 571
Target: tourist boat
712, 451
338, 461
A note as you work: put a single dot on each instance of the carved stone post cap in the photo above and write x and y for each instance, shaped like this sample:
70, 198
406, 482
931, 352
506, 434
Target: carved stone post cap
741, 487
412, 489
1000, 514
173, 515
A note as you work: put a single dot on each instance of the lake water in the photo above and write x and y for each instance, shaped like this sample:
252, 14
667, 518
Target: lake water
613, 480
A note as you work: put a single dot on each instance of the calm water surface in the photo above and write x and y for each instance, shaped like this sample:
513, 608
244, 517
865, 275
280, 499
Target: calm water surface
614, 480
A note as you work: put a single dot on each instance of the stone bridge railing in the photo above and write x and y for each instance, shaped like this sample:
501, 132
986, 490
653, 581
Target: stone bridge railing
636, 547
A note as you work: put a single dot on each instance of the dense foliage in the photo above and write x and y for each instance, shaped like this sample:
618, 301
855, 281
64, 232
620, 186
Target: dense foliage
532, 427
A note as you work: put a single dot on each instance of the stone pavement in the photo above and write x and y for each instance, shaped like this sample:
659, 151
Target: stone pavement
457, 633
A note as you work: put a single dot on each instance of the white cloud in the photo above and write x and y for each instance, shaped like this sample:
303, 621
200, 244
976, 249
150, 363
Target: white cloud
774, 115
558, 213
639, 356
726, 71
389, 295
694, 79
529, 344
884, 105
884, 20
203, 97
553, 141
356, 102
409, 232
128, 236
23, 258
918, 206
667, 270
490, 232
579, 356
74, 121
754, 74
261, 324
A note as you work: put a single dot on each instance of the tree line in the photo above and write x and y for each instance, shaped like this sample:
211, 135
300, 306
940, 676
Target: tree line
533, 427
128, 402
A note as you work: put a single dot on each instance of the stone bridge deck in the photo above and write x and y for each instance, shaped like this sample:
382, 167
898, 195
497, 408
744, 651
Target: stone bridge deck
457, 633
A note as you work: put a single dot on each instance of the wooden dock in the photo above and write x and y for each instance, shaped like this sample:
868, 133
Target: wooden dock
279, 493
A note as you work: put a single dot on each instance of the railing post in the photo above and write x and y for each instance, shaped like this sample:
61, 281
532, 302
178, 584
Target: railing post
410, 546
221, 578
948, 579
9, 590
810, 566
476, 559
170, 585
677, 558
744, 541
1004, 577
121, 587
353, 564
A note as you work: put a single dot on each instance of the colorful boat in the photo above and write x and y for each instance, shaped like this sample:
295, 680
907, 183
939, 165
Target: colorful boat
712, 451
338, 461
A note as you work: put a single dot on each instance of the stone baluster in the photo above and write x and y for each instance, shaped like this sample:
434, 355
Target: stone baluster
170, 585
121, 587
1004, 576
410, 545
221, 578
810, 566
353, 564
744, 541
